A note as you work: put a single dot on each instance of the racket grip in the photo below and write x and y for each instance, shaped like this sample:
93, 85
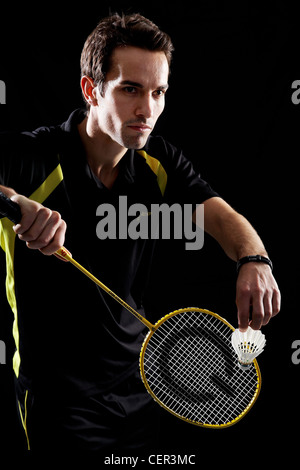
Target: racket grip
9, 209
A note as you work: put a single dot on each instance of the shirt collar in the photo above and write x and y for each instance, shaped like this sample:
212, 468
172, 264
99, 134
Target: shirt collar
127, 168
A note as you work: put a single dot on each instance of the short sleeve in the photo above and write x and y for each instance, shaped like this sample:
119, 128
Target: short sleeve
184, 184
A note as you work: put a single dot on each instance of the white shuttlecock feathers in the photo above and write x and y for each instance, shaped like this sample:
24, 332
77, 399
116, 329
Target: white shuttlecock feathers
248, 345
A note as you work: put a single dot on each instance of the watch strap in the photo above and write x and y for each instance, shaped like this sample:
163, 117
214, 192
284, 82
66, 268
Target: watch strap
254, 259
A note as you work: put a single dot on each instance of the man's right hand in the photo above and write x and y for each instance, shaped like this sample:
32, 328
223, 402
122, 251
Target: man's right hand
41, 228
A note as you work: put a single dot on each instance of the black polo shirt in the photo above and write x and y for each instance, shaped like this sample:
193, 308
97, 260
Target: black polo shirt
67, 331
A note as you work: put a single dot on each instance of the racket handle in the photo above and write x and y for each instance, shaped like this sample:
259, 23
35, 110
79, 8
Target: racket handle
10, 209
63, 254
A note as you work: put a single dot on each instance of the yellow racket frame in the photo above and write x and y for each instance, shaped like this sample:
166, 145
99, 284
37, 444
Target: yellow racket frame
142, 355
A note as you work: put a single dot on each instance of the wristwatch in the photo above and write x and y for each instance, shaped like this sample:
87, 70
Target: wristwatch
255, 259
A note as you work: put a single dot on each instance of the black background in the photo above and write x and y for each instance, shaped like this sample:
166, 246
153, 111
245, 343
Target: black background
229, 107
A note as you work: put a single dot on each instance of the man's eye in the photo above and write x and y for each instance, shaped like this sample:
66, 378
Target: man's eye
159, 92
130, 89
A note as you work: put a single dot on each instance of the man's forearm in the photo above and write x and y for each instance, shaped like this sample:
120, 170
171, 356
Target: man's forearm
232, 231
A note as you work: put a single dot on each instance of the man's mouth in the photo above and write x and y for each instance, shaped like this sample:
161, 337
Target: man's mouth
140, 127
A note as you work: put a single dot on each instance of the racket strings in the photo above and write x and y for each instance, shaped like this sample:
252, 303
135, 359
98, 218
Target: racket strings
187, 369
189, 366
187, 407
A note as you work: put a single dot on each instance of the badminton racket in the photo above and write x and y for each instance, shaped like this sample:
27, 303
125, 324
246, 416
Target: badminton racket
187, 362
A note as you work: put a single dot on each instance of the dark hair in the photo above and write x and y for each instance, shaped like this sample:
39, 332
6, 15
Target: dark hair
117, 31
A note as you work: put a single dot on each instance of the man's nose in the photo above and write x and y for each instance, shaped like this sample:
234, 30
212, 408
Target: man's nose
145, 106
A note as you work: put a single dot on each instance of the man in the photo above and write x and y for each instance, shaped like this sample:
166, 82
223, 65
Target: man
77, 351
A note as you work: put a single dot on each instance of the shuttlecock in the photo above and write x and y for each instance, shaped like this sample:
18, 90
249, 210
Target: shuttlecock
247, 345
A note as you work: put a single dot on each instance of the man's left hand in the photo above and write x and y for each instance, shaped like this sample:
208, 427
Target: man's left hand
257, 296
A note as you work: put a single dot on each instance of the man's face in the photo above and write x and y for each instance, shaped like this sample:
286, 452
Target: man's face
133, 96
